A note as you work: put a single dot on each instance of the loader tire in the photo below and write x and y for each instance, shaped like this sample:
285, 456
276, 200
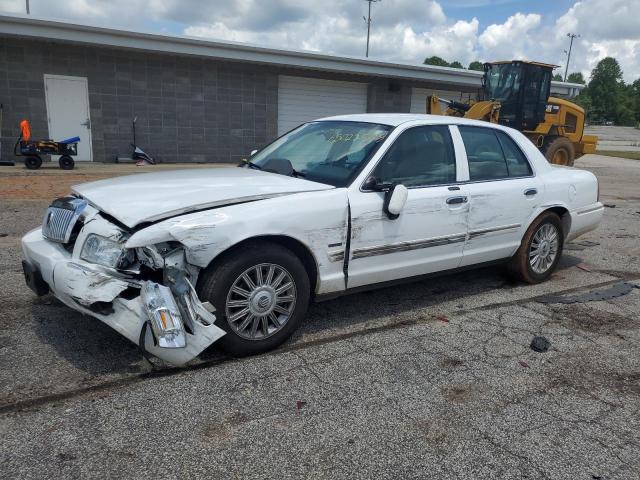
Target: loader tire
559, 151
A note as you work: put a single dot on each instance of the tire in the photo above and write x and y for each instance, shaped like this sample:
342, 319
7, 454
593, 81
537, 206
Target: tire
216, 282
559, 151
520, 266
33, 163
66, 162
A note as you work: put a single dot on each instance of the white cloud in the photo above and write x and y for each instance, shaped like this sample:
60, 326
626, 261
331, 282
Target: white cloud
510, 39
606, 28
402, 30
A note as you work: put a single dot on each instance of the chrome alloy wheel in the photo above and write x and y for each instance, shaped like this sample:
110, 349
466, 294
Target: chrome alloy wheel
544, 248
261, 301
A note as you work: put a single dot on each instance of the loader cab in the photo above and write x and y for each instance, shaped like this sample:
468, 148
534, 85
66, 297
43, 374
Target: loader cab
522, 88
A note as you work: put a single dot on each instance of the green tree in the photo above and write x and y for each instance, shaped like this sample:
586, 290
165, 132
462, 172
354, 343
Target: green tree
456, 64
476, 65
607, 91
625, 113
635, 98
557, 77
576, 77
584, 100
437, 61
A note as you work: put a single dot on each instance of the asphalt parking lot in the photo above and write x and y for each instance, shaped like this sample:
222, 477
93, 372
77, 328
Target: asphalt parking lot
612, 137
434, 379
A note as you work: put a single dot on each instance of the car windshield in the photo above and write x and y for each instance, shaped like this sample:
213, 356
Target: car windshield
330, 152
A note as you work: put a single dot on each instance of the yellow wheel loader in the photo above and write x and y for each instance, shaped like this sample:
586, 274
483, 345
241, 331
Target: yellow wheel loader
516, 94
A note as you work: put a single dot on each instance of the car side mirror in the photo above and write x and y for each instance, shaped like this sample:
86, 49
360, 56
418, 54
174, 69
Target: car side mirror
253, 152
394, 200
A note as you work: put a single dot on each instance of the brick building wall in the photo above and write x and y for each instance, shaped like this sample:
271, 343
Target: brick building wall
189, 109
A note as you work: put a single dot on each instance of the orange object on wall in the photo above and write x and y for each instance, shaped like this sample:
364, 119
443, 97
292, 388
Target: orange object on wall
26, 130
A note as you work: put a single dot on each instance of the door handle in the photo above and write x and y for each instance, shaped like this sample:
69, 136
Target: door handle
530, 192
456, 200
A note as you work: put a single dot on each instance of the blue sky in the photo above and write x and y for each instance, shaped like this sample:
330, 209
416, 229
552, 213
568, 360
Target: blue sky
489, 12
402, 30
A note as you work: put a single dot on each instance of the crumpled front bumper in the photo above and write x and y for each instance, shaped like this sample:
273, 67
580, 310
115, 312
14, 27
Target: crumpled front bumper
102, 294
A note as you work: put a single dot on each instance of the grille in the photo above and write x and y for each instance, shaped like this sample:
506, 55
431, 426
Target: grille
61, 217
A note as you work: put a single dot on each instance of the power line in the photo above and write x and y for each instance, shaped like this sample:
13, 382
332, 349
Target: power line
571, 36
368, 22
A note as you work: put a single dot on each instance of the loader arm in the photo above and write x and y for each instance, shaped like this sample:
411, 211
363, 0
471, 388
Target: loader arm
488, 110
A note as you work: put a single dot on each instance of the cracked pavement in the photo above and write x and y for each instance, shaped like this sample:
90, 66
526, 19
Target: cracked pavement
434, 379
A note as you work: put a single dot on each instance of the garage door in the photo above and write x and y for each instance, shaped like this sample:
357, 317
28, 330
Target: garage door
302, 99
419, 97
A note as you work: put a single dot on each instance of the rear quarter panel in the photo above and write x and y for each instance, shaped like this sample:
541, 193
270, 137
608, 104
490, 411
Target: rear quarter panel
571, 187
577, 191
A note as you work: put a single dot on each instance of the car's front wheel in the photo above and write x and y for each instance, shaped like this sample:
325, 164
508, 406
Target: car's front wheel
540, 250
260, 292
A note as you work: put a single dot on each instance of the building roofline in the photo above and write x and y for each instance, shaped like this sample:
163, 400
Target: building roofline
33, 27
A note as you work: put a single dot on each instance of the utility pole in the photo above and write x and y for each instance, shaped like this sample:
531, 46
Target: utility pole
368, 22
566, 70
28, 12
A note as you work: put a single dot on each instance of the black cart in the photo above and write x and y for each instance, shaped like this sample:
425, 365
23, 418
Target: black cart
33, 149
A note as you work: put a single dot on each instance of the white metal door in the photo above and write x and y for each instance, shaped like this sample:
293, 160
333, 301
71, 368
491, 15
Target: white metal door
499, 213
68, 112
302, 99
430, 233
500, 208
428, 236
419, 97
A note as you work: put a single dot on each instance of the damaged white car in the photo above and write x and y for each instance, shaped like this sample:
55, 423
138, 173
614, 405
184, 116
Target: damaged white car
178, 260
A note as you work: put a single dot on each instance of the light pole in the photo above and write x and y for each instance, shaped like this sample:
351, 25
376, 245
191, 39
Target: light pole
28, 12
566, 70
368, 22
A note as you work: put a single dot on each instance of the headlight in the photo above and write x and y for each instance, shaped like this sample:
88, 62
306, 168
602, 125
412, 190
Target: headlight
101, 250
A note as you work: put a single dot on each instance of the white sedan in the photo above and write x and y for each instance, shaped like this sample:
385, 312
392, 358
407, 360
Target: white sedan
177, 260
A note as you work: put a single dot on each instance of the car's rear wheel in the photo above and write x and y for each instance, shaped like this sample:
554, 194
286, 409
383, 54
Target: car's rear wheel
260, 292
540, 250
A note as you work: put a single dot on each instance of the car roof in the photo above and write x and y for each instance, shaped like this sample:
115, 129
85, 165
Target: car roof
395, 119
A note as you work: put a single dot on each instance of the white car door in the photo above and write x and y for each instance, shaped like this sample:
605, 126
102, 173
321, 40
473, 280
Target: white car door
430, 232
503, 194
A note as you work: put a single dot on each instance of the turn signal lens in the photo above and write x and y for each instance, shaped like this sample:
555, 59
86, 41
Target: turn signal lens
164, 315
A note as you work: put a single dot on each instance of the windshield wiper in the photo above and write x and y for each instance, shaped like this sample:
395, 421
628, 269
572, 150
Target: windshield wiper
249, 164
298, 174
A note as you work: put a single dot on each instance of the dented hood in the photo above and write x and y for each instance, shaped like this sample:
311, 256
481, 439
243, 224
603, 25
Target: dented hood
149, 197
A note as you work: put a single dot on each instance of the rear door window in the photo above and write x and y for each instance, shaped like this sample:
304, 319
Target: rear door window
492, 154
484, 154
517, 163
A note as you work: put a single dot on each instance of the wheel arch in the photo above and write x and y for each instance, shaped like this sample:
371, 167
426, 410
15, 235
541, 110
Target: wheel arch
297, 247
562, 212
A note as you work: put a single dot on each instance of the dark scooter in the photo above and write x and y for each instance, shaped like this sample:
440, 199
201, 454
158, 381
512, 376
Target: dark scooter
139, 156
